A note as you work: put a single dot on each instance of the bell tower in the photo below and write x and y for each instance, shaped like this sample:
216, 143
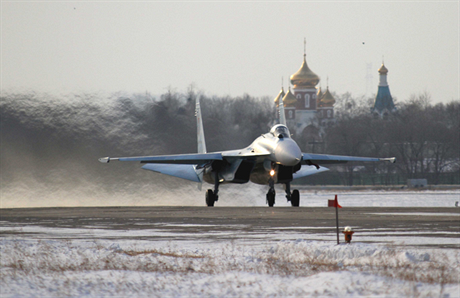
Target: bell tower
304, 83
383, 104
326, 107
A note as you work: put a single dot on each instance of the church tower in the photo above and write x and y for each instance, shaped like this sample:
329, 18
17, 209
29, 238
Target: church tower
290, 101
326, 108
308, 110
383, 104
304, 82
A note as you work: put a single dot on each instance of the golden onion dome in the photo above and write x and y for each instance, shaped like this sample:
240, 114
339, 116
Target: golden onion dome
280, 95
289, 99
304, 77
383, 69
327, 100
319, 95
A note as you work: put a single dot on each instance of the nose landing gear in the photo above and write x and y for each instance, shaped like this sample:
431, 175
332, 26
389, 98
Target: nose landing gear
293, 197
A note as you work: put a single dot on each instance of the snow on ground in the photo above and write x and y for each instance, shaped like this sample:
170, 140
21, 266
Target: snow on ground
40, 261
384, 198
93, 268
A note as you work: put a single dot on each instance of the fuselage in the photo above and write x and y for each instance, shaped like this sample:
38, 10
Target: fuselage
282, 155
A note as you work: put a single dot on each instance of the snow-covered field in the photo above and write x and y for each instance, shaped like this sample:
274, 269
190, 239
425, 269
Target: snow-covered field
94, 268
403, 198
94, 261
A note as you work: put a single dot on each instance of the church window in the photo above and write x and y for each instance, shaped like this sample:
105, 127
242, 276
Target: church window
307, 100
329, 112
290, 114
299, 96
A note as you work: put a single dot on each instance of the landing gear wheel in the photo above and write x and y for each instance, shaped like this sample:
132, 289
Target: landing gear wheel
210, 198
295, 198
271, 198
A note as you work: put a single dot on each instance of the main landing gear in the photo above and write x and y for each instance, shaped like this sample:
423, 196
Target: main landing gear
294, 197
271, 193
211, 196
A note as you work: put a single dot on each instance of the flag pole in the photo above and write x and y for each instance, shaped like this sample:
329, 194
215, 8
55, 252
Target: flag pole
337, 218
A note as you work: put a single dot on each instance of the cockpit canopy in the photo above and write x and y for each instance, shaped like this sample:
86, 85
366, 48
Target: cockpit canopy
280, 131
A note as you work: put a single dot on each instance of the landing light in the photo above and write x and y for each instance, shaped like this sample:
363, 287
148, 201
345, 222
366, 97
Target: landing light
272, 173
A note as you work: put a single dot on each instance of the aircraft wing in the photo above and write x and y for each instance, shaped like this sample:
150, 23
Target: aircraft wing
311, 159
245, 153
185, 166
190, 159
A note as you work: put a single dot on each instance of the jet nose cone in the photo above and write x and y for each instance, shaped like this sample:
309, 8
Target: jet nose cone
288, 153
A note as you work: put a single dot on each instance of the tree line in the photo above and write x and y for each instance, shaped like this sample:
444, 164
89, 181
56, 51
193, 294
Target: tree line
40, 131
424, 138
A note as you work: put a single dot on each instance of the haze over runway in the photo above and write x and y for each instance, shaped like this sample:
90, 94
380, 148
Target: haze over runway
229, 48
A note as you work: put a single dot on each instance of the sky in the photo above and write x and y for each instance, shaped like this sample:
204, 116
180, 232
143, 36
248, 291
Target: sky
230, 48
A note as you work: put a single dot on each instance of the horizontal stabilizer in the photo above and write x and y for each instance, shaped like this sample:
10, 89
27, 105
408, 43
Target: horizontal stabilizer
307, 171
181, 171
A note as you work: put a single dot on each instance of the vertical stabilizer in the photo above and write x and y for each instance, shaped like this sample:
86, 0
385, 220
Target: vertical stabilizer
281, 111
200, 131
200, 139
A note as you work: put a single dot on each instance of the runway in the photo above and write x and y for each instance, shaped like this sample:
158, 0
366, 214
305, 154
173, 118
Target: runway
425, 227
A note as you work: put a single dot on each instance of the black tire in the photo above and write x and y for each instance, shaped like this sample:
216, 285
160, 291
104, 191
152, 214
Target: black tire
210, 198
295, 198
271, 198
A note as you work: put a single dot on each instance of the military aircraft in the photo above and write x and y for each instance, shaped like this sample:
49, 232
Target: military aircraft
272, 158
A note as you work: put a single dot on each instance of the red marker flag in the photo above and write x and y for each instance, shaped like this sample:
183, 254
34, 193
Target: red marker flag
333, 203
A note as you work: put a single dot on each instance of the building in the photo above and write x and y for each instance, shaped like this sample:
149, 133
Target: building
306, 105
325, 108
383, 104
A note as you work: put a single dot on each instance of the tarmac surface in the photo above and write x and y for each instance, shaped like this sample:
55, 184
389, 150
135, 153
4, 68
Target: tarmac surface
423, 226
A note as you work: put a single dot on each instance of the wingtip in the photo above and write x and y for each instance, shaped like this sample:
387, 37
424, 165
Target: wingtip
390, 159
104, 159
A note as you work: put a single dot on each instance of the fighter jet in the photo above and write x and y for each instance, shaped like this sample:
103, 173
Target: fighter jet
273, 158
